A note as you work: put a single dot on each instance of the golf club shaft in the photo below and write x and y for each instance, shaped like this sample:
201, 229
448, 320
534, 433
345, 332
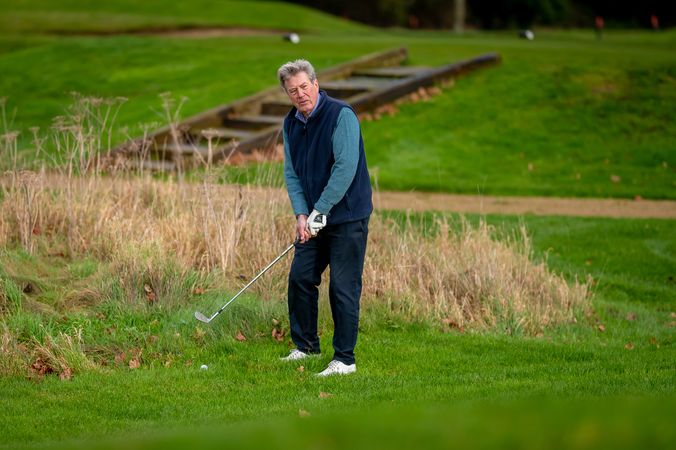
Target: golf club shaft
254, 280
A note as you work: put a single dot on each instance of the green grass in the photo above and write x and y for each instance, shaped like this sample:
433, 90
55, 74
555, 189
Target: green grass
403, 367
245, 384
563, 115
72, 16
558, 117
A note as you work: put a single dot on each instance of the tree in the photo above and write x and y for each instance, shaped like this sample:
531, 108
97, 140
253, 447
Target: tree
459, 13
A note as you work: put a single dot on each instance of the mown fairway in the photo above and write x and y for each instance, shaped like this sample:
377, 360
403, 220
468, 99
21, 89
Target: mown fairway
563, 115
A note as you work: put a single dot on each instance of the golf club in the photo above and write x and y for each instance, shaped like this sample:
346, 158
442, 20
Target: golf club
202, 318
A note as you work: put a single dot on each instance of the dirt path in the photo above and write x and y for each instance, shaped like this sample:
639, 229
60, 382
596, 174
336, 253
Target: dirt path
541, 206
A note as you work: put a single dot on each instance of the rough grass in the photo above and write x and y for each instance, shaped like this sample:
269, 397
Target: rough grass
139, 225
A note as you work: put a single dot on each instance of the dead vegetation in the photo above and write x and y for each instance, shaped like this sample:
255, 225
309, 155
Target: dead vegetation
151, 235
139, 225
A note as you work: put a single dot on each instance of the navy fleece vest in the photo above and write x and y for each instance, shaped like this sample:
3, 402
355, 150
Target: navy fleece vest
311, 150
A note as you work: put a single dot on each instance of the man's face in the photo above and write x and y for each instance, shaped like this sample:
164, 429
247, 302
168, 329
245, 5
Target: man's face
302, 92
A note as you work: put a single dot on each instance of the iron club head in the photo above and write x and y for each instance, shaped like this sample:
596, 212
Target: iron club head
201, 317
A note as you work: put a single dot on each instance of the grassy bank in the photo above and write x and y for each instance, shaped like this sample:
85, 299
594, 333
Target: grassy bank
563, 115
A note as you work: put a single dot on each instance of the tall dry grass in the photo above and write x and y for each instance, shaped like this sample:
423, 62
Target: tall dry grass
146, 228
465, 276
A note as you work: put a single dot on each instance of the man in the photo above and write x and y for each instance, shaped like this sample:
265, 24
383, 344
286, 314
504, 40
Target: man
330, 192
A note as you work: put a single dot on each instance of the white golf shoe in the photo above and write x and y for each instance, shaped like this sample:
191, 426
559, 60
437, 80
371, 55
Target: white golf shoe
295, 355
338, 368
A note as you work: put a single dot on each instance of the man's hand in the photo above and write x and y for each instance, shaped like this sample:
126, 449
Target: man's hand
316, 222
301, 229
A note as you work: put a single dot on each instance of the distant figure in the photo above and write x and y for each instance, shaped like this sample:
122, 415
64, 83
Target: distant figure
654, 23
413, 21
292, 37
598, 25
526, 34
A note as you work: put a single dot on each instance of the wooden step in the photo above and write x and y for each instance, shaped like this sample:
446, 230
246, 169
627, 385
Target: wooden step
255, 122
153, 165
365, 83
220, 134
340, 89
275, 108
252, 122
391, 72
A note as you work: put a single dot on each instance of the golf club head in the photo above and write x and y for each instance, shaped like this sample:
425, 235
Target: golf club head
201, 317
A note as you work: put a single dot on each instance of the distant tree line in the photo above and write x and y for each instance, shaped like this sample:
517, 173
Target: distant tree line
492, 14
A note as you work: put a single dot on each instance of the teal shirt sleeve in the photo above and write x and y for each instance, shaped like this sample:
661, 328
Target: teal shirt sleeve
346, 156
293, 185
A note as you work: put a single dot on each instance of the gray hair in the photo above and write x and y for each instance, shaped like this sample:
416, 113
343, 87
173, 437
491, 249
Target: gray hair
293, 67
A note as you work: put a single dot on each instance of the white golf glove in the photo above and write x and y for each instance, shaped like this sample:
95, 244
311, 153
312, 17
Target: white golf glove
316, 222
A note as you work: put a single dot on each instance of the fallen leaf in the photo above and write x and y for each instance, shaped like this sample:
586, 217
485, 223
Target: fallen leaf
653, 341
673, 315
66, 374
303, 413
530, 167
325, 395
275, 322
450, 324
150, 293
301, 369
631, 316
41, 367
198, 291
120, 358
629, 346
240, 337
278, 334
615, 178
602, 328
134, 363
188, 363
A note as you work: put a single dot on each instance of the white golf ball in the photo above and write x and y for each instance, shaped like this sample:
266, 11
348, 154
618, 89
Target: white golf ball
204, 367
294, 38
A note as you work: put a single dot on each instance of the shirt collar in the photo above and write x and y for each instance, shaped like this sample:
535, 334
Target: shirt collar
301, 117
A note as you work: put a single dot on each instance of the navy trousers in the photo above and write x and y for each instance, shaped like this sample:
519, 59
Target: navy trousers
342, 248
